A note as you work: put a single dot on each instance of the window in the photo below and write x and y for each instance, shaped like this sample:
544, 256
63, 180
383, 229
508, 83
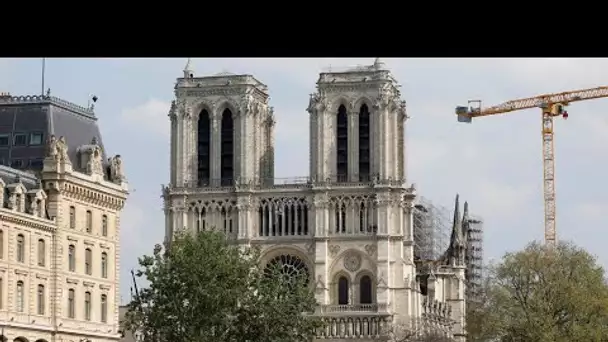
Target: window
4, 140
72, 258
342, 291
20, 139
104, 225
87, 306
72, 217
89, 226
104, 265
1, 244
365, 290
20, 248
19, 303
17, 163
36, 138
41, 299
41, 252
88, 255
104, 308
36, 164
1, 293
71, 308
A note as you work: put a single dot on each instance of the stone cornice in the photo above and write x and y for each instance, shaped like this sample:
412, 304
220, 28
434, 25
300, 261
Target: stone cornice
27, 220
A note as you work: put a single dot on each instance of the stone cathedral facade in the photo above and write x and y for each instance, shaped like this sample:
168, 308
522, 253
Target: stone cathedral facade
348, 225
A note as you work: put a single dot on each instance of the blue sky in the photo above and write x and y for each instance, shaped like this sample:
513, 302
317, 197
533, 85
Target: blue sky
494, 163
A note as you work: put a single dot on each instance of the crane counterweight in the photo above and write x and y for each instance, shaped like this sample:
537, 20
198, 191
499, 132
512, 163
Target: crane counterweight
551, 105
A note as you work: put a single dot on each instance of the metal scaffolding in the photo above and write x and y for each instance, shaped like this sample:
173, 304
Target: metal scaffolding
474, 257
432, 228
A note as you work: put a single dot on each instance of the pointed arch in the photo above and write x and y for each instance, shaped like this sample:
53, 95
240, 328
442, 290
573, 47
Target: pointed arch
341, 288
227, 147
342, 144
364, 141
204, 147
366, 287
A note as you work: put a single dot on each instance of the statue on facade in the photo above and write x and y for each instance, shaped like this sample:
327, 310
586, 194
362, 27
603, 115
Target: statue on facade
62, 149
51, 146
116, 169
95, 163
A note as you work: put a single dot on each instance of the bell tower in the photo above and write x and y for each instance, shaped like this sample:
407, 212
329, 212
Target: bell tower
357, 126
221, 131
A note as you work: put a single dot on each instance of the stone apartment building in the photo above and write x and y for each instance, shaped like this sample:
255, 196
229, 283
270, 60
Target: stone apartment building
59, 223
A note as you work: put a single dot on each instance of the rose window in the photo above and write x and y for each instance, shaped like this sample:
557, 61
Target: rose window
291, 267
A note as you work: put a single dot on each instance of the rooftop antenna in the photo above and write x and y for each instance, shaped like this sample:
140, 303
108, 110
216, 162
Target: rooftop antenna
43, 70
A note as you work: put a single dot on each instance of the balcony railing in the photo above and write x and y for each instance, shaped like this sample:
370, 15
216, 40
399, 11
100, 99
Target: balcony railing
365, 308
371, 326
261, 183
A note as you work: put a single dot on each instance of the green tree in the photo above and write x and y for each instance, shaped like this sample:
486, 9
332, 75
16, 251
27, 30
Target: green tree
205, 289
543, 294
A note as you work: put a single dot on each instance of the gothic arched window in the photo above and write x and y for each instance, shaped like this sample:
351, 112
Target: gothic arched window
342, 145
342, 291
365, 290
364, 135
227, 148
204, 148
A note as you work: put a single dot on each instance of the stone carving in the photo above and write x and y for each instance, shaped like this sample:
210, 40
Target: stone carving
317, 103
334, 250
370, 249
62, 149
352, 262
95, 163
247, 102
319, 285
384, 97
116, 169
310, 247
51, 146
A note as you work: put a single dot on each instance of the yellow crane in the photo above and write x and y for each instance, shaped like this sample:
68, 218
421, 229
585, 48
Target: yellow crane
551, 105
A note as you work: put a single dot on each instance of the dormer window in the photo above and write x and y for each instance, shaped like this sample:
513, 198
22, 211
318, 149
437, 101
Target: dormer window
20, 139
36, 138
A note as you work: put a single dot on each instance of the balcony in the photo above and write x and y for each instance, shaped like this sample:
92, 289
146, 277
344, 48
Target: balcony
361, 327
355, 308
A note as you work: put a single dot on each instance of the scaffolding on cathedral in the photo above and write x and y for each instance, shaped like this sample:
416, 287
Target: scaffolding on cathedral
432, 228
474, 257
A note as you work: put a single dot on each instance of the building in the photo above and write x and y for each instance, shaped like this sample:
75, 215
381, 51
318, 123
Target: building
432, 228
348, 225
59, 224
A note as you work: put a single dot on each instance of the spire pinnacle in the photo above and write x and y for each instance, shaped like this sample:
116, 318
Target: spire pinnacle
378, 64
188, 69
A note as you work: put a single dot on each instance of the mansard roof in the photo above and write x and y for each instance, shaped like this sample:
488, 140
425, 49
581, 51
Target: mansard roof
48, 115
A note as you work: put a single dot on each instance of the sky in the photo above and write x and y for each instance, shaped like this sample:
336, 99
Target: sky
494, 163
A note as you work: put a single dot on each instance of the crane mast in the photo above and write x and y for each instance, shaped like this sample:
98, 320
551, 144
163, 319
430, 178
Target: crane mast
551, 105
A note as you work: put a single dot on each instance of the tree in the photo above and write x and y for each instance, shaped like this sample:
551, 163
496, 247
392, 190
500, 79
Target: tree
543, 294
205, 289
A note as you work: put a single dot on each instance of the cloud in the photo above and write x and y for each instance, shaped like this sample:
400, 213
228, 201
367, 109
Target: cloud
151, 115
494, 163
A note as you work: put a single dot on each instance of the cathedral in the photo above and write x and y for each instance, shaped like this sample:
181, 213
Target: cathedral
348, 226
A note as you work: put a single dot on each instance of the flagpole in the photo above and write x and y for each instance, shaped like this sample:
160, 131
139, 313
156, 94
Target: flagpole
43, 67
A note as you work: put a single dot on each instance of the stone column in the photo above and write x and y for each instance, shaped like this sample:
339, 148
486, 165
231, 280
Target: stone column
215, 150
